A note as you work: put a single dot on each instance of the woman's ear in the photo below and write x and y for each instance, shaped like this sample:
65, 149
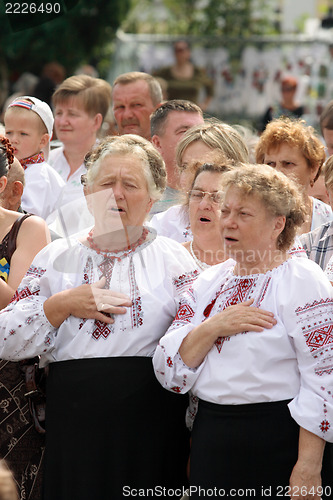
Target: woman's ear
3, 183
150, 204
98, 120
279, 225
314, 173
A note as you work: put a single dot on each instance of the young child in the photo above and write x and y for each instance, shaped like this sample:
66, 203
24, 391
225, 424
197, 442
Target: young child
29, 127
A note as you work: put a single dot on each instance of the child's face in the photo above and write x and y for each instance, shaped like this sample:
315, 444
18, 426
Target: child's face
23, 129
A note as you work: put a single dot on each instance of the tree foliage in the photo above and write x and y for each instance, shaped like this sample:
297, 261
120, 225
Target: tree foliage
232, 18
79, 33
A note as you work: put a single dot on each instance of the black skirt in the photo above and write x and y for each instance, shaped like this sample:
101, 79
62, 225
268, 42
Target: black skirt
246, 451
111, 428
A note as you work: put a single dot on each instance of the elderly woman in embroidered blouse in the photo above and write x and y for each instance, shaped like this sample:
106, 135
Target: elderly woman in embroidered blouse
94, 310
265, 396
294, 148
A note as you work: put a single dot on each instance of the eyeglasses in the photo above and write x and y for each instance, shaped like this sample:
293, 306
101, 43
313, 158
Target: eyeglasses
195, 195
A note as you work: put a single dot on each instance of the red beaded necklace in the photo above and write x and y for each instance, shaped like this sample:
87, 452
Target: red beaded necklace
125, 251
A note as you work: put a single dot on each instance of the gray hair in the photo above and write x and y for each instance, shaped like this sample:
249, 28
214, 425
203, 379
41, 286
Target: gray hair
159, 117
136, 146
155, 89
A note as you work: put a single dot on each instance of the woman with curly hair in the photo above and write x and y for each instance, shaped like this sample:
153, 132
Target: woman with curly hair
265, 390
294, 148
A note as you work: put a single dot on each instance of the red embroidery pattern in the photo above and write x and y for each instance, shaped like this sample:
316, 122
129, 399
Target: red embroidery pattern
32, 288
314, 305
37, 158
184, 313
241, 291
239, 294
318, 333
88, 271
263, 291
185, 280
101, 329
324, 426
169, 362
37, 272
220, 341
193, 407
106, 268
319, 337
136, 309
327, 391
24, 293
177, 388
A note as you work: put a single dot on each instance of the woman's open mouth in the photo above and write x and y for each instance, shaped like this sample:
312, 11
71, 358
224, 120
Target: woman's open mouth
205, 219
117, 210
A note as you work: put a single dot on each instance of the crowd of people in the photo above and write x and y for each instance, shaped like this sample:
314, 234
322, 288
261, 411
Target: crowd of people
166, 295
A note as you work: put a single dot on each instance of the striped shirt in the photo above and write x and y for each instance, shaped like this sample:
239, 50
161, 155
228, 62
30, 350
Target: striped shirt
318, 244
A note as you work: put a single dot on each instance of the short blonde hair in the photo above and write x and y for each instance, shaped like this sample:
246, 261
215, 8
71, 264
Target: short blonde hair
153, 166
216, 135
93, 93
279, 195
296, 134
328, 172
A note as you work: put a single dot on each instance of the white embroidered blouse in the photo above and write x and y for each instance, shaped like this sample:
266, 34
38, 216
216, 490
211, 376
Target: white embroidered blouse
173, 223
153, 276
293, 360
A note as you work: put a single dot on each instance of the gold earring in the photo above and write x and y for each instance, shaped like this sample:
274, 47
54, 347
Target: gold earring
312, 183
